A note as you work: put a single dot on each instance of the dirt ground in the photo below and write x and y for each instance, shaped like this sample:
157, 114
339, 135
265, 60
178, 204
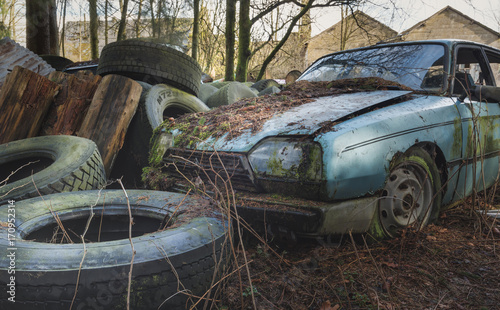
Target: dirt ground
452, 264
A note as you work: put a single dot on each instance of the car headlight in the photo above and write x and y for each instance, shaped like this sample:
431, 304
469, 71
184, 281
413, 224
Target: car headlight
287, 158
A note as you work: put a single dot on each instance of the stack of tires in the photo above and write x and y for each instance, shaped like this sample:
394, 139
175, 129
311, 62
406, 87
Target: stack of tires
223, 93
67, 241
171, 83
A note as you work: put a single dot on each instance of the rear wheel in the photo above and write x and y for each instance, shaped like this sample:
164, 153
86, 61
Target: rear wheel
411, 195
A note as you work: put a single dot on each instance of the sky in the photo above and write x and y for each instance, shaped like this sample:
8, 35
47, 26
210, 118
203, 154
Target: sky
410, 12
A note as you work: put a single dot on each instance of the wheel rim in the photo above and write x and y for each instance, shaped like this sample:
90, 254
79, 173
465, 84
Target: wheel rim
407, 198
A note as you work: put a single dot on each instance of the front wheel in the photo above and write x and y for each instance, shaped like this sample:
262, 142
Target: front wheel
411, 196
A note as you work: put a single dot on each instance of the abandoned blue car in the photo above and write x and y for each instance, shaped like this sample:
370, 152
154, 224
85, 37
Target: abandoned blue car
395, 133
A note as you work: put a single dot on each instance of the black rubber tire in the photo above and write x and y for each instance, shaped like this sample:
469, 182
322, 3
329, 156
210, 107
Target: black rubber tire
152, 63
66, 163
164, 101
206, 91
263, 84
269, 91
229, 94
156, 103
57, 62
409, 173
46, 274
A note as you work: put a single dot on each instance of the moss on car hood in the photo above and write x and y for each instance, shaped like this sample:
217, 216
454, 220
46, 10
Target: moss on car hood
251, 113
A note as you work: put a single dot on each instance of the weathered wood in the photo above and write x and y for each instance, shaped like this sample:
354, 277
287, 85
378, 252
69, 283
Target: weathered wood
70, 107
112, 108
24, 101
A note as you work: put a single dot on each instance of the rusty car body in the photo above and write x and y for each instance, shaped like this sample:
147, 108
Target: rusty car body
373, 160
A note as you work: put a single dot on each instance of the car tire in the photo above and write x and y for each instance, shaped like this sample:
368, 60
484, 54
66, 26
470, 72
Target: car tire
206, 91
60, 164
263, 84
164, 101
292, 76
158, 102
269, 91
168, 265
152, 63
57, 62
219, 85
229, 94
412, 194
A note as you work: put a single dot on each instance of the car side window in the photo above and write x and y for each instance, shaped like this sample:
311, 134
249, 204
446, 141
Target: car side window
494, 60
470, 69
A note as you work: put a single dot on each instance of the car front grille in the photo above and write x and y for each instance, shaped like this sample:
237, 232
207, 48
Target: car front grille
213, 168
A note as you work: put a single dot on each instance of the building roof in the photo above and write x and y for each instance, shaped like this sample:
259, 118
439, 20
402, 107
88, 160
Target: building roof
358, 14
449, 8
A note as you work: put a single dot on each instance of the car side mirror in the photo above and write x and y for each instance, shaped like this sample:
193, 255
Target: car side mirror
482, 93
487, 93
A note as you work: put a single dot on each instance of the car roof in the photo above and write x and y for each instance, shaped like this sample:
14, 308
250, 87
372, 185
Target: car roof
448, 42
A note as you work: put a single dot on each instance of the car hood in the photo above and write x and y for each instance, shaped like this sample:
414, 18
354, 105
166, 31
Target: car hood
305, 119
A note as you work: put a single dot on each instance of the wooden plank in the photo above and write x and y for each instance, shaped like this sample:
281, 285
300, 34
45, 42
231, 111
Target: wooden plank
110, 113
70, 107
24, 101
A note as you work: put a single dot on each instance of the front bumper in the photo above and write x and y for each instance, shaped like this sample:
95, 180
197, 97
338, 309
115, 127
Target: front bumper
307, 218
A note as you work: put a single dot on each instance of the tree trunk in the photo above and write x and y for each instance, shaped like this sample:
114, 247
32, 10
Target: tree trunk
24, 101
244, 52
53, 29
153, 22
106, 27
112, 108
94, 24
196, 28
138, 22
230, 38
38, 26
158, 18
122, 34
63, 28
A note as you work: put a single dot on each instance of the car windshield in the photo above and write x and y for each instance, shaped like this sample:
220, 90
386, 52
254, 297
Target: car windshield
418, 66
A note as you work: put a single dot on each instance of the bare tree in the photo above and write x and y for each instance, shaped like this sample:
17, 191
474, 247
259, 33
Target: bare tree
230, 38
196, 28
4, 27
211, 54
94, 25
41, 27
294, 21
123, 20
244, 52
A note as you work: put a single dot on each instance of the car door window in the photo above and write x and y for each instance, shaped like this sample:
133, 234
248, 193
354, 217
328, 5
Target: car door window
471, 69
494, 60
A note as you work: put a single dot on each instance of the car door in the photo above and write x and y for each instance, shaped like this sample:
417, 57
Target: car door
473, 67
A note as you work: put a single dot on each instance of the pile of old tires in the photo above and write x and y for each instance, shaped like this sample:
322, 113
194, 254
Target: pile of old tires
171, 82
66, 242
172, 86
223, 93
161, 268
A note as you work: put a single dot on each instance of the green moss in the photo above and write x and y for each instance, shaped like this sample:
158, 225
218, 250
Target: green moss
480, 137
456, 149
